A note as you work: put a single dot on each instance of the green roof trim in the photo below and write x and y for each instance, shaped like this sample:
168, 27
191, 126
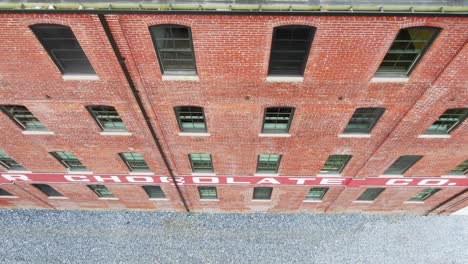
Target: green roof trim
144, 8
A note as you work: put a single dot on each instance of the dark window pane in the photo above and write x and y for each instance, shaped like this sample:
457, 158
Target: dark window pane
174, 48
47, 190
9, 163
335, 164
23, 117
268, 163
101, 191
316, 193
5, 193
135, 161
107, 118
290, 49
69, 160
424, 194
277, 119
363, 120
201, 162
206, 192
406, 50
448, 121
461, 169
190, 118
59, 41
402, 164
262, 193
154, 192
370, 194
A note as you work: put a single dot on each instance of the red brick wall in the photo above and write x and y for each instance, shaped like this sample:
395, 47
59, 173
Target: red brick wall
232, 55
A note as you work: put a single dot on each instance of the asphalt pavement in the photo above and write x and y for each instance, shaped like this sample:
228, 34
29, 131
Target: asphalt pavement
43, 236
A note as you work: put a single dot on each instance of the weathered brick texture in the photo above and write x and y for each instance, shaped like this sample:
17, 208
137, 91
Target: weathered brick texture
232, 55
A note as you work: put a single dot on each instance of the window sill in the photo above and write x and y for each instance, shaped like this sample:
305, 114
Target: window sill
108, 198
18, 171
274, 135
433, 136
293, 79
389, 79
364, 202
140, 173
37, 132
209, 200
80, 77
413, 202
8, 197
329, 175
193, 78
266, 174
115, 133
313, 201
158, 199
391, 176
462, 176
203, 174
354, 135
188, 134
261, 200
57, 198
79, 172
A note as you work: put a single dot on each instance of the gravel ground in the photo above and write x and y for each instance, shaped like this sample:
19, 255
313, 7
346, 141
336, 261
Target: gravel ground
42, 236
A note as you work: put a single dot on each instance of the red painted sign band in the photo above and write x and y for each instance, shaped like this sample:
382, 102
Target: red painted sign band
234, 180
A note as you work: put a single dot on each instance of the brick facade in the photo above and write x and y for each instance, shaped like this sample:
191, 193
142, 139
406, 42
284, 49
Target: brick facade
232, 56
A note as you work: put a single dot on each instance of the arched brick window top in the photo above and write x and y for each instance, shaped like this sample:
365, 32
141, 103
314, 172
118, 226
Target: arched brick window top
407, 49
363, 120
191, 118
290, 49
63, 48
277, 119
107, 117
174, 48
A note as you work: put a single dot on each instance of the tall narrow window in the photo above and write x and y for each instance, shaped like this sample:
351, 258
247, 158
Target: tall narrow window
48, 190
448, 121
277, 119
107, 118
101, 191
174, 47
262, 193
370, 194
9, 163
135, 161
316, 194
268, 163
402, 164
363, 120
461, 169
335, 164
5, 193
201, 162
424, 194
190, 118
408, 47
290, 49
23, 117
154, 192
207, 193
69, 160
63, 47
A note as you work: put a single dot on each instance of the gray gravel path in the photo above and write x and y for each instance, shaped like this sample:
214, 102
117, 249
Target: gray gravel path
42, 236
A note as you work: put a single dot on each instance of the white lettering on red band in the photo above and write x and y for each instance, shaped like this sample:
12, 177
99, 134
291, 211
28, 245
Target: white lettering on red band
76, 178
232, 180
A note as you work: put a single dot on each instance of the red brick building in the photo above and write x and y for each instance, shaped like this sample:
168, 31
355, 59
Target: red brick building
234, 108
